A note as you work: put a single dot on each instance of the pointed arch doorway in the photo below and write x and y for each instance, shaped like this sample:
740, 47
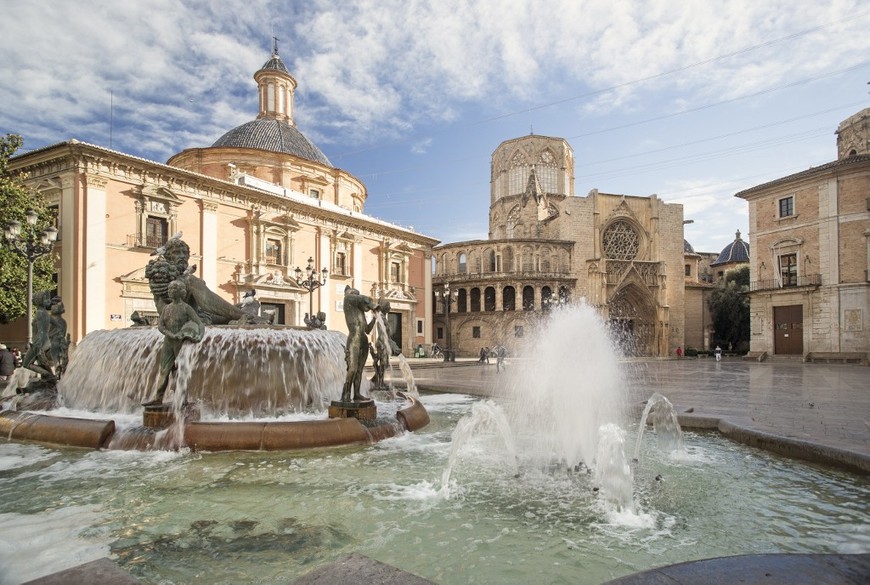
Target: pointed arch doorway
632, 319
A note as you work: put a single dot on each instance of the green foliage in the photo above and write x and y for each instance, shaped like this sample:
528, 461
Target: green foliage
729, 308
15, 200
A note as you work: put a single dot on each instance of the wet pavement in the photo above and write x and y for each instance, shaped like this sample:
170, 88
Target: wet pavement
825, 406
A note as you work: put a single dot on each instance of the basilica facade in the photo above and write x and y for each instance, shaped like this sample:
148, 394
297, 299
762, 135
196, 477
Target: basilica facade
622, 254
259, 203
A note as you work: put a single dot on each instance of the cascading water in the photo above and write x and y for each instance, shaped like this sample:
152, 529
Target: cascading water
408, 376
243, 371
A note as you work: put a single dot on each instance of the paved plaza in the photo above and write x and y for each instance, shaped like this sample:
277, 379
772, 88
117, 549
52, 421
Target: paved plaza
812, 406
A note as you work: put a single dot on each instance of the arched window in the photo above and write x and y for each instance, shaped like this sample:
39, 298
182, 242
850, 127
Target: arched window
490, 261
489, 299
528, 298
475, 300
509, 299
463, 263
462, 301
513, 220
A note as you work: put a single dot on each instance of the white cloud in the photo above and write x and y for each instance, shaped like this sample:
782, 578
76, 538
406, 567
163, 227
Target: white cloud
421, 146
373, 70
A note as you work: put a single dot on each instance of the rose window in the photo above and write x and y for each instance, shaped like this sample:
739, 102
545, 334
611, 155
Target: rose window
621, 241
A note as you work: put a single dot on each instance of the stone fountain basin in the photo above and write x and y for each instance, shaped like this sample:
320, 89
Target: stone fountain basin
211, 436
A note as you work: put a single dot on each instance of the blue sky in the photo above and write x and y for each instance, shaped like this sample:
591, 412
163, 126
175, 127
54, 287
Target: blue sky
691, 100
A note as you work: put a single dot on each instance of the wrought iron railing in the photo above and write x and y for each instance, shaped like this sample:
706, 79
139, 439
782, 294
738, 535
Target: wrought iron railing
787, 282
134, 240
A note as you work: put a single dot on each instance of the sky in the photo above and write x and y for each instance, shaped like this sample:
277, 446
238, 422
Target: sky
691, 100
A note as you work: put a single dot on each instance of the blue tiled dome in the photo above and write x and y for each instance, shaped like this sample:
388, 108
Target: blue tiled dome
275, 64
273, 135
735, 252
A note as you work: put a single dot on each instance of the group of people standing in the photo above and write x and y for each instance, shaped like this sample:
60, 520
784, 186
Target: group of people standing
10, 360
499, 352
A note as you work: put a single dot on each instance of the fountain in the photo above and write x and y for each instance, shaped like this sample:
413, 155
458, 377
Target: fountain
234, 381
531, 485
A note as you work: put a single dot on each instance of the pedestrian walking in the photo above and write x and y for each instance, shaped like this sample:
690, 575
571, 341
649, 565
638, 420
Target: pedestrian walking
500, 354
718, 353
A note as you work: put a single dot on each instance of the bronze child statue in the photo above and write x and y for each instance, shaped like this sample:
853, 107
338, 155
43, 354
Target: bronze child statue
178, 323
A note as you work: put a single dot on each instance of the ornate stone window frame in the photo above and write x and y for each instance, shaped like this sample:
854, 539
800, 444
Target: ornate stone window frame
781, 249
396, 253
341, 245
616, 242
281, 229
158, 202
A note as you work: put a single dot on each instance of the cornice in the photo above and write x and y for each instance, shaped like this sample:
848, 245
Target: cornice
107, 164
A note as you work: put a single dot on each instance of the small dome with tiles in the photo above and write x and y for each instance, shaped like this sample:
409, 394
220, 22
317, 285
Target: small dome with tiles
734, 253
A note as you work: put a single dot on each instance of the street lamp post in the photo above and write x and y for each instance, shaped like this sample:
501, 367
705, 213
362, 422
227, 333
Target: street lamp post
447, 297
31, 247
311, 283
553, 302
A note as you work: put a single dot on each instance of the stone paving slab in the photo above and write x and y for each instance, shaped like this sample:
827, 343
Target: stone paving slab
99, 572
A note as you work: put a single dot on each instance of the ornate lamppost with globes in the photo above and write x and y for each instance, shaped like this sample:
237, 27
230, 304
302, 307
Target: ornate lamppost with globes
30, 246
311, 282
555, 301
446, 296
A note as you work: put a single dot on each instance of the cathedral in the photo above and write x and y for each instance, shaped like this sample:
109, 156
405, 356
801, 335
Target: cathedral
622, 254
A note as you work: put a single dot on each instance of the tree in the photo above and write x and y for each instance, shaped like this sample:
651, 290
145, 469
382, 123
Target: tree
729, 308
15, 200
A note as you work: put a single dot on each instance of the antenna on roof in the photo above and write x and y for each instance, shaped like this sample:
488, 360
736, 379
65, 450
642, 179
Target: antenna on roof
111, 115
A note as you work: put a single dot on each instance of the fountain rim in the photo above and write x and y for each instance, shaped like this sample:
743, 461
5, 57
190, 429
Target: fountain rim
218, 435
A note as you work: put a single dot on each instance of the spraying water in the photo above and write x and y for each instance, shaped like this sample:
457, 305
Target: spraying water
661, 413
562, 407
485, 417
566, 386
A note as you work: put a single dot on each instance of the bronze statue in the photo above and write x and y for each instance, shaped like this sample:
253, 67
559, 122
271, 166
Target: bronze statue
39, 356
381, 349
178, 323
356, 351
60, 340
171, 264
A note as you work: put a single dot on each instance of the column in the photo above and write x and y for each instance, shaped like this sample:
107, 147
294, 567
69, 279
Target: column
95, 254
209, 244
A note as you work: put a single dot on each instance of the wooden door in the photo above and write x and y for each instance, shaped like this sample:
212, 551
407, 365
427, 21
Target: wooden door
788, 330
